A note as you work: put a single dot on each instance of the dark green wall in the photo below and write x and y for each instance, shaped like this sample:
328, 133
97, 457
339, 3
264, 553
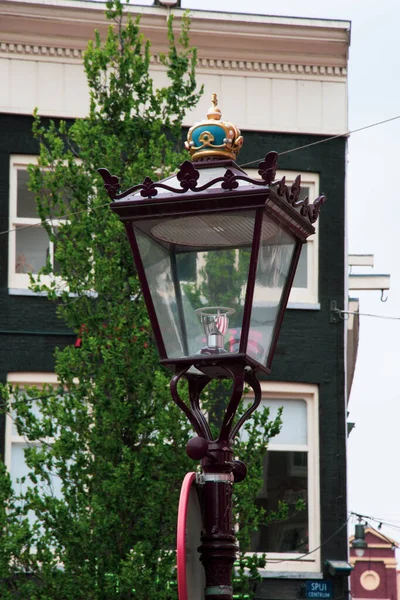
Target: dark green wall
23, 350
310, 348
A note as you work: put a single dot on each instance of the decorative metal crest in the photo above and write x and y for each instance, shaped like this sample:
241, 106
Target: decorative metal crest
111, 182
307, 210
188, 177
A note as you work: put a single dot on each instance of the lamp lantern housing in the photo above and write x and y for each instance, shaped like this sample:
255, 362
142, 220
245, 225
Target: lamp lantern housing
216, 251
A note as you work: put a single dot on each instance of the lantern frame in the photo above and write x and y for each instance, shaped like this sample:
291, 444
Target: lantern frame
232, 191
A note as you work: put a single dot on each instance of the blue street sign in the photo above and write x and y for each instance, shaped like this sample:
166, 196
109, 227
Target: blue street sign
318, 589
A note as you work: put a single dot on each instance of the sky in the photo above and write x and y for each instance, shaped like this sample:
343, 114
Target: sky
373, 210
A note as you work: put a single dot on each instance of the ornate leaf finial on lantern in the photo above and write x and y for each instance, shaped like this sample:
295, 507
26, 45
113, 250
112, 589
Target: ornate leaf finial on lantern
213, 138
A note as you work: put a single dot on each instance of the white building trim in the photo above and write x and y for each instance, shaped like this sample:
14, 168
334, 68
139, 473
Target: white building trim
270, 73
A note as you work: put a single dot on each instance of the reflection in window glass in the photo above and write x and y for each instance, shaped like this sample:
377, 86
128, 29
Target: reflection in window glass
26, 205
32, 248
19, 470
301, 277
294, 420
273, 264
186, 274
285, 482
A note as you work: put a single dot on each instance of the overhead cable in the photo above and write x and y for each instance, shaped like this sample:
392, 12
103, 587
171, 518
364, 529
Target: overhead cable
328, 139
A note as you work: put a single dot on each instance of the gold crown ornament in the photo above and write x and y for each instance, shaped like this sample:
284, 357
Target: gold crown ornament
213, 138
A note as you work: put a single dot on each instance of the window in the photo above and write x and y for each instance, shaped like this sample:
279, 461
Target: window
305, 285
15, 444
29, 247
291, 476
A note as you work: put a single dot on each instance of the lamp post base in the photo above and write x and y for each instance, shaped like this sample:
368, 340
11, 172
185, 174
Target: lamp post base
218, 549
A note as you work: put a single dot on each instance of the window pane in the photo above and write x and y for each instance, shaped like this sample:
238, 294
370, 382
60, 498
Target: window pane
20, 469
34, 408
285, 481
304, 193
32, 247
26, 205
300, 279
56, 264
294, 420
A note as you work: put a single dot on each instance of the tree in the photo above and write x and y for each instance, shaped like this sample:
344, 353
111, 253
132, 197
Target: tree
95, 518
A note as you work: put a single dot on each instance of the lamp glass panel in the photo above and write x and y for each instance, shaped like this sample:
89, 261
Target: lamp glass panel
156, 261
274, 260
194, 264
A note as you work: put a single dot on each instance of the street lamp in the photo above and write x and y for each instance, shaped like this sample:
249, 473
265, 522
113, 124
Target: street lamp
359, 544
216, 252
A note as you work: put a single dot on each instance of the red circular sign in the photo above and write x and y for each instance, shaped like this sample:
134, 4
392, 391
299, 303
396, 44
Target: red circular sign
191, 578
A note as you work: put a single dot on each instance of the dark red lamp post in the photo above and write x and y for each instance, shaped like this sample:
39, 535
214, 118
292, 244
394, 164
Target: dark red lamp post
216, 253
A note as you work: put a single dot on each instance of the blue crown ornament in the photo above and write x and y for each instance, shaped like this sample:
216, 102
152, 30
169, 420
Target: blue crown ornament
213, 138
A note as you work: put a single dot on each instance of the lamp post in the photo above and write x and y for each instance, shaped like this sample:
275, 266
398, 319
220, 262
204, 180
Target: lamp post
212, 210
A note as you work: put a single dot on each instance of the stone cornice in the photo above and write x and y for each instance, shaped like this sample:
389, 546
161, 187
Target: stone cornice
37, 52
225, 40
388, 562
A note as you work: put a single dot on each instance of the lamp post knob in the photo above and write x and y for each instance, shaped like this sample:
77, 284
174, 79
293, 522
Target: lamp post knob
197, 448
239, 471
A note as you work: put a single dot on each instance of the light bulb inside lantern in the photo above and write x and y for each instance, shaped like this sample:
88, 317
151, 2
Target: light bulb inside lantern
359, 552
215, 321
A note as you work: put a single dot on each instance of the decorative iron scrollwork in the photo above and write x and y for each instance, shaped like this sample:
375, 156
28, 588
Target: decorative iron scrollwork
148, 188
295, 191
229, 182
111, 183
307, 210
188, 177
312, 210
267, 168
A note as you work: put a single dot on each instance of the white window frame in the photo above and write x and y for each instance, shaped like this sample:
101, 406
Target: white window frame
297, 562
23, 379
304, 297
20, 282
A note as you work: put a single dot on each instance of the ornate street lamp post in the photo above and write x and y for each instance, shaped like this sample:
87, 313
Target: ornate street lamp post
181, 230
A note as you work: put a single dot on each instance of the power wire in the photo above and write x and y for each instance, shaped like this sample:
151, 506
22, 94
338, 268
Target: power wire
333, 137
50, 220
376, 520
328, 139
349, 312
271, 560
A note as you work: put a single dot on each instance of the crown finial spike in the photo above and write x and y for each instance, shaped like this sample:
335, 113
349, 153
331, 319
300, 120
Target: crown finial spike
213, 138
214, 112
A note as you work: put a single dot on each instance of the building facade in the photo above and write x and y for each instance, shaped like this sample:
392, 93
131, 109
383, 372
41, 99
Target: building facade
374, 574
283, 81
